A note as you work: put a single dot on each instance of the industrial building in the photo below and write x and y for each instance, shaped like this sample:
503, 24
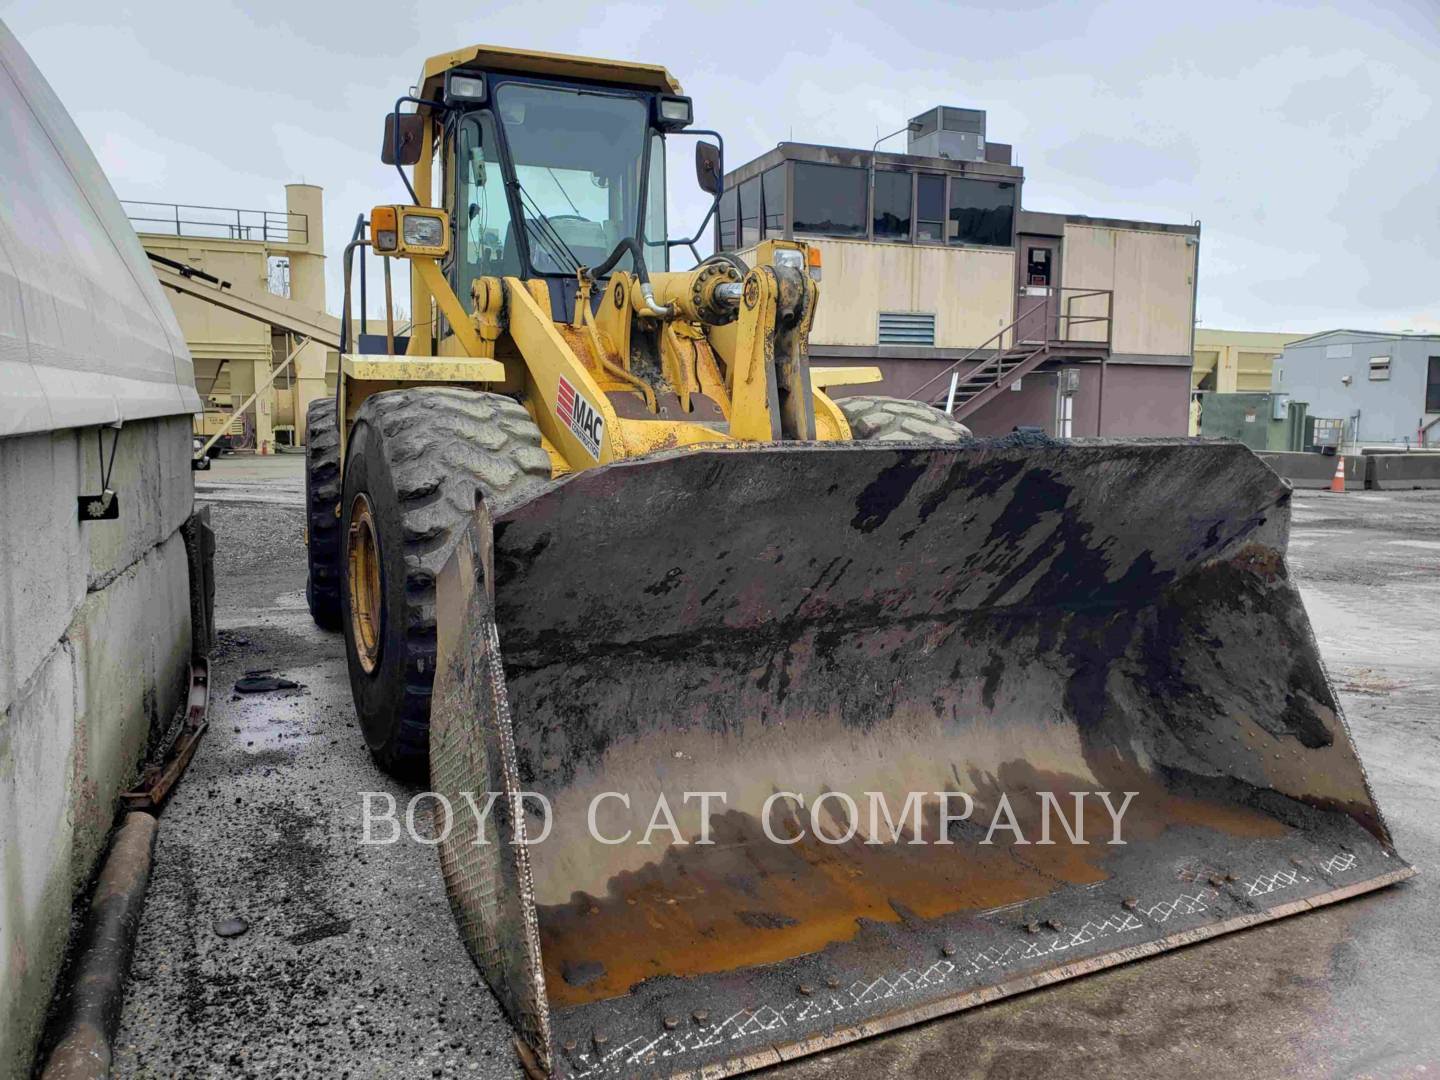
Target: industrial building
1236, 361
248, 289
935, 272
96, 395
1232, 362
1384, 387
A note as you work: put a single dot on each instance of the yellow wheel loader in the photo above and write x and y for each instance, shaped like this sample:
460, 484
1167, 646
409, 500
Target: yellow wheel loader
770, 719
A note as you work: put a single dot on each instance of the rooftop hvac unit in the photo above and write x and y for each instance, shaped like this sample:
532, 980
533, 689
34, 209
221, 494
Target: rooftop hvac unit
948, 132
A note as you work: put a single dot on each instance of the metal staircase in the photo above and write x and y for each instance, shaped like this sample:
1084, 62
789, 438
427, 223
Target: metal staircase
980, 384
969, 389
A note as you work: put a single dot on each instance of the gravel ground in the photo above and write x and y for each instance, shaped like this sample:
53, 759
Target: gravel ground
351, 966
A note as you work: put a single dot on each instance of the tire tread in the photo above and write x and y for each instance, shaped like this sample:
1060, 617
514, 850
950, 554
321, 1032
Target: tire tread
874, 418
440, 444
322, 499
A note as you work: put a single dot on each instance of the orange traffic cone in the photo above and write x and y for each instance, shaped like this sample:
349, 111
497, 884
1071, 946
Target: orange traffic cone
1337, 483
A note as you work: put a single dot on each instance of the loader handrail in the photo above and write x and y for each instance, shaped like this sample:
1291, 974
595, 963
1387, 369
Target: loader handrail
357, 239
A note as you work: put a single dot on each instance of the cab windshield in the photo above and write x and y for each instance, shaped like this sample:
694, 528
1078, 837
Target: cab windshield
579, 158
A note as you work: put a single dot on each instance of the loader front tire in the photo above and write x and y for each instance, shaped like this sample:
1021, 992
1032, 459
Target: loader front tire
322, 520
414, 462
885, 419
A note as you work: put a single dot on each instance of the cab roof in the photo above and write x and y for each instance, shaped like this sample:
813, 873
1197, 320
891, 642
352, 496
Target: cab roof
553, 65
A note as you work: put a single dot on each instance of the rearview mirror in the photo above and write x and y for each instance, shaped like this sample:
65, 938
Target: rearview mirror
412, 131
709, 170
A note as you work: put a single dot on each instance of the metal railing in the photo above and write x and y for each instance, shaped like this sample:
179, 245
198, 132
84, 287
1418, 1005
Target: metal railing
1005, 339
1057, 307
1424, 432
217, 222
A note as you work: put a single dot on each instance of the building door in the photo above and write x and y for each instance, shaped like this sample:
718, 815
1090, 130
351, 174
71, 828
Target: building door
1037, 305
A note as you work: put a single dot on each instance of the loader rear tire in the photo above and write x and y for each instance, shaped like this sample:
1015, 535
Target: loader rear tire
885, 419
414, 462
322, 522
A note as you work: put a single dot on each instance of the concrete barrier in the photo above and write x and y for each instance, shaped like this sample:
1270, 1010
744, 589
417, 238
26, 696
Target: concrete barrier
94, 647
1401, 472
1316, 470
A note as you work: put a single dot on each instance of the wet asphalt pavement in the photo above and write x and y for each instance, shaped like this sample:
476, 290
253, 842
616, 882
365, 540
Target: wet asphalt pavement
351, 966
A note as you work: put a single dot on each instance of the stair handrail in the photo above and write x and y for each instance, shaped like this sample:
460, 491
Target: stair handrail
1072, 293
1424, 433
915, 394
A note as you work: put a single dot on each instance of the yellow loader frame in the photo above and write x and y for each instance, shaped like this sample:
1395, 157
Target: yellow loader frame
532, 355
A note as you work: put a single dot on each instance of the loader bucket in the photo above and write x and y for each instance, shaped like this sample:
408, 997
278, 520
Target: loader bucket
996, 620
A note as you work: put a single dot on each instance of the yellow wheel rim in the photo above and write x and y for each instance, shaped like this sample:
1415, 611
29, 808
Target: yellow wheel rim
363, 574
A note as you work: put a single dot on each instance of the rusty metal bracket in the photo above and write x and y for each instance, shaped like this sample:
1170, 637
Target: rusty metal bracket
158, 780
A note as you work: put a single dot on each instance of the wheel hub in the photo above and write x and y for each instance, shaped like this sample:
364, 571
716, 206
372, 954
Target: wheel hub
363, 578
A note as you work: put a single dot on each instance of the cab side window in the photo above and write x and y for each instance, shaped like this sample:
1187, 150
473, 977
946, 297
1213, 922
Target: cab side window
487, 243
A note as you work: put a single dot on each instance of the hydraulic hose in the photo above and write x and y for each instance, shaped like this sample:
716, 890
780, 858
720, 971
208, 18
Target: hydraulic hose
646, 290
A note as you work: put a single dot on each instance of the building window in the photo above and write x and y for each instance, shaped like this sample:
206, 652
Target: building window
829, 199
1432, 386
981, 212
772, 195
930, 208
1379, 368
1037, 267
750, 212
727, 220
907, 328
892, 206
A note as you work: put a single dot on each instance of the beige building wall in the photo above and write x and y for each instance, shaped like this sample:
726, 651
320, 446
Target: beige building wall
234, 354
213, 333
307, 286
1153, 277
1231, 361
971, 291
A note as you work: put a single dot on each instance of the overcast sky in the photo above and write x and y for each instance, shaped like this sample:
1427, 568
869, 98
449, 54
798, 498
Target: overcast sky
1304, 136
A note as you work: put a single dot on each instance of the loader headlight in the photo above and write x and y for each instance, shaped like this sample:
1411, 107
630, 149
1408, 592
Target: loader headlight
791, 258
410, 231
464, 89
423, 232
674, 113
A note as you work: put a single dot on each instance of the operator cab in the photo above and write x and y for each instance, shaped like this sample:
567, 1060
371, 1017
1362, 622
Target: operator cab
547, 163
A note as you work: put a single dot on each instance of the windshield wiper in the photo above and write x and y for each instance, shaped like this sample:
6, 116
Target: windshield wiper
544, 230
561, 186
